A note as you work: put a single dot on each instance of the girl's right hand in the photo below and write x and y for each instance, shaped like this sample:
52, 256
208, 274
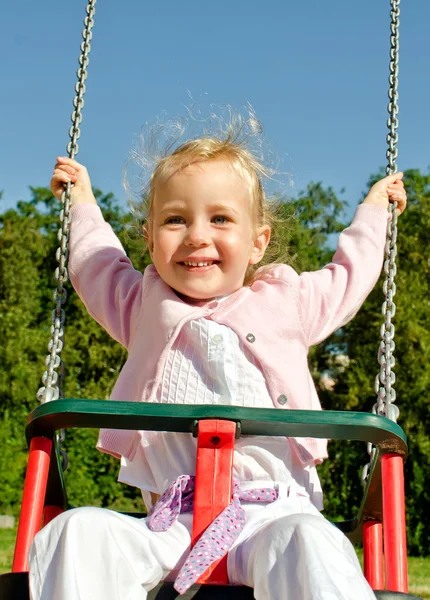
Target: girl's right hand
68, 169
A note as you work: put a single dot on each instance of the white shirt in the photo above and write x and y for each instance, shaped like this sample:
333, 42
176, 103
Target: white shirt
208, 364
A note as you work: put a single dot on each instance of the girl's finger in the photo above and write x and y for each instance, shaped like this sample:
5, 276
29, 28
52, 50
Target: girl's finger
397, 195
62, 176
390, 179
66, 168
396, 184
65, 160
401, 199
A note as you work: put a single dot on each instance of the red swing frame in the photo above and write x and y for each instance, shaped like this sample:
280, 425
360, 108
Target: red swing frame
383, 525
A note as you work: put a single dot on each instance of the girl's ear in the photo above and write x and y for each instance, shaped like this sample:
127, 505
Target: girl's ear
147, 238
261, 242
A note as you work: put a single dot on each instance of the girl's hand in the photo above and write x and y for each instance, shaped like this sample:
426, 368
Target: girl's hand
67, 169
389, 189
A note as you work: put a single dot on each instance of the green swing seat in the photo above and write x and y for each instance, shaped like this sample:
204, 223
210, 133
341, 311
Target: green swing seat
384, 434
48, 418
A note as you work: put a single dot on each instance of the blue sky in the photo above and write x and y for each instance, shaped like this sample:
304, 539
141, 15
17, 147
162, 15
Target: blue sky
316, 74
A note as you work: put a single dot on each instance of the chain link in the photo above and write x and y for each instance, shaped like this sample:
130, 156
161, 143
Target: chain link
52, 378
385, 380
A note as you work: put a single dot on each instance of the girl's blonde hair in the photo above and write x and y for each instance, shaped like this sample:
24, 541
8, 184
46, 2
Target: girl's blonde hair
231, 146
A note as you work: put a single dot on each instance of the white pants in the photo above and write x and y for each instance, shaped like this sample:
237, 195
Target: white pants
287, 551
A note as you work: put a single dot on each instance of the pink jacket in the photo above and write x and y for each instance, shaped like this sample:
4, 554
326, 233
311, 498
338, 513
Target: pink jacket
286, 313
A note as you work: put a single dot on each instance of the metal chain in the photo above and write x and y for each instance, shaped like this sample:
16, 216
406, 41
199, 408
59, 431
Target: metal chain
384, 382
53, 376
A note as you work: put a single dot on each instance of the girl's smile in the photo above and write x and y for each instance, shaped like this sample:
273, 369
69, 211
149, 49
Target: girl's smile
199, 264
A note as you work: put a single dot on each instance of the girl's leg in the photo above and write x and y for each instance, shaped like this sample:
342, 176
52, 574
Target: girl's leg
294, 552
97, 554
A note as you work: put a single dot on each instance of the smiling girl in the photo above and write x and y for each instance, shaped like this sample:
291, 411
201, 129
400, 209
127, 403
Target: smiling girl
201, 326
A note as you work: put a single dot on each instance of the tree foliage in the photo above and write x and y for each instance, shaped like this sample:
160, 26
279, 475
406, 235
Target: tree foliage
307, 226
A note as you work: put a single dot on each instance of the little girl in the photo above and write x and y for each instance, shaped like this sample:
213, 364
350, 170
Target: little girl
201, 327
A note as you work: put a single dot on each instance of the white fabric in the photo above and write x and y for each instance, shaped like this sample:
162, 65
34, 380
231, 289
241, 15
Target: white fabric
208, 364
286, 551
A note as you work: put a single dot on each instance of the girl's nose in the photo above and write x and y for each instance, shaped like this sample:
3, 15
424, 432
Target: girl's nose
197, 236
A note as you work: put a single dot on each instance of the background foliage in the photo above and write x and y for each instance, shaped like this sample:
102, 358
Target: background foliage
344, 366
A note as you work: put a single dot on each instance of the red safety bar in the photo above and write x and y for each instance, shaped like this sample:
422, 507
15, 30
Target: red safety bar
33, 500
393, 503
373, 557
213, 490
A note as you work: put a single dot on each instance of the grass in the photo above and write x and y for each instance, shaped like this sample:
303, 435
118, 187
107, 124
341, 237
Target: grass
7, 544
419, 568
419, 576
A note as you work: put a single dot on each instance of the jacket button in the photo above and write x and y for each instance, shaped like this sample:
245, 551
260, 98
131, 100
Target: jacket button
250, 337
282, 399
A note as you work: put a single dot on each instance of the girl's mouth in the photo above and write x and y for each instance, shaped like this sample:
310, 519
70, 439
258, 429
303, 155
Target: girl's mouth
198, 265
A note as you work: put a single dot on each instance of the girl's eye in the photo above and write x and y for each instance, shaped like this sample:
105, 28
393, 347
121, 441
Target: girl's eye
219, 220
174, 221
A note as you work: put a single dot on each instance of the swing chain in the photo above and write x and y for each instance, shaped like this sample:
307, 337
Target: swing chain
52, 379
384, 382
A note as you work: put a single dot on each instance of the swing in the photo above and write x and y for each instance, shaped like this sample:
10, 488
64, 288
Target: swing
380, 521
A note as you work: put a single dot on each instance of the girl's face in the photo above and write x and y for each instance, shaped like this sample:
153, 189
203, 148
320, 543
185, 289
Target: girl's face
202, 237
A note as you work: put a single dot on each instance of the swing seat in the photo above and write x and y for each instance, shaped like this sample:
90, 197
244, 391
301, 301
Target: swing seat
45, 492
14, 586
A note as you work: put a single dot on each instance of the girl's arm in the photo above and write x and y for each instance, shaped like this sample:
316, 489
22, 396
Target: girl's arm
329, 298
99, 269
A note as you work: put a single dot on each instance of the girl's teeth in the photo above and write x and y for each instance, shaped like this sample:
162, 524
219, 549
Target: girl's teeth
196, 264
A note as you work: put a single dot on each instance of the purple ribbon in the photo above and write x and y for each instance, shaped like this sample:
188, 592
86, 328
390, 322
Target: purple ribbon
218, 537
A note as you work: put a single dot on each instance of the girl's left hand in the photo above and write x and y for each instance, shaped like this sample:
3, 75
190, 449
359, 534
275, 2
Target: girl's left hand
389, 189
